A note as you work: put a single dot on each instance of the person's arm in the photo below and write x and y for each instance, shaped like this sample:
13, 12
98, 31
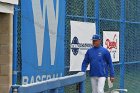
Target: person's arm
85, 62
110, 64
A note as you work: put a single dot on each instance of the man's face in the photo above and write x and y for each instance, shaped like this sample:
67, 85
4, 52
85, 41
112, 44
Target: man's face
96, 43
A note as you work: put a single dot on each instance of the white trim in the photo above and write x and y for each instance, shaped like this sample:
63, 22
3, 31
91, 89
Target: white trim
10, 1
6, 8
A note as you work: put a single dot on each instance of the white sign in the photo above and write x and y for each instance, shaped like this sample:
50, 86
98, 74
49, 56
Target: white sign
111, 42
81, 34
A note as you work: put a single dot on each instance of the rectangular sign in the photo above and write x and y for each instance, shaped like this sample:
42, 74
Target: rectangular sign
81, 34
42, 46
111, 42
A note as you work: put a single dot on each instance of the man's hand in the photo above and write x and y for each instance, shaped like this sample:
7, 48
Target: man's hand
112, 79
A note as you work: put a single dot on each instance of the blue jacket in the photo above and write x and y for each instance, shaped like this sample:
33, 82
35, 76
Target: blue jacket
100, 62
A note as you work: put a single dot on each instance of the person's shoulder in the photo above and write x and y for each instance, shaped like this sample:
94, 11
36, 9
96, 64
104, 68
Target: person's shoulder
104, 49
90, 49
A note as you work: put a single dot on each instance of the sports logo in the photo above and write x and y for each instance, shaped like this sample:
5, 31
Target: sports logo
111, 44
76, 46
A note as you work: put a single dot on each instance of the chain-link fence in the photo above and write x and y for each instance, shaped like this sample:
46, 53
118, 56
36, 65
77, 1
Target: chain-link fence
110, 15
17, 58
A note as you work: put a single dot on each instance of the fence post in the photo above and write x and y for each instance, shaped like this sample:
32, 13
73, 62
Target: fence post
97, 16
14, 89
53, 91
85, 10
82, 87
15, 45
122, 29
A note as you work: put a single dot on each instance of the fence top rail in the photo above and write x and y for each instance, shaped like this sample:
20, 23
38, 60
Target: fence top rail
51, 83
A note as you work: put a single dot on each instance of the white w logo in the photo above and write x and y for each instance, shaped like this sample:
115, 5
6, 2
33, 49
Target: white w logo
39, 18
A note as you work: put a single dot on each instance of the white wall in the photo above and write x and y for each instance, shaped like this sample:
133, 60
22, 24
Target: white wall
6, 51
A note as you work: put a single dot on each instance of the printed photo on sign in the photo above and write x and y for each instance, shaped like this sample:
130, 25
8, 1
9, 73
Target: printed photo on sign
81, 33
111, 42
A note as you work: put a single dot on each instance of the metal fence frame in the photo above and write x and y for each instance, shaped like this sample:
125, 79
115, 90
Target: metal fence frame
17, 45
122, 27
52, 85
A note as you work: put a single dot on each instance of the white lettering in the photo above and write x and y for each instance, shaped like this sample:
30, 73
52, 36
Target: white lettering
38, 78
32, 79
40, 18
44, 77
48, 77
25, 80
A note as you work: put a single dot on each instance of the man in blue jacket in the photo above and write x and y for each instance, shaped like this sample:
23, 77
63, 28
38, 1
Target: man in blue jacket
100, 62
